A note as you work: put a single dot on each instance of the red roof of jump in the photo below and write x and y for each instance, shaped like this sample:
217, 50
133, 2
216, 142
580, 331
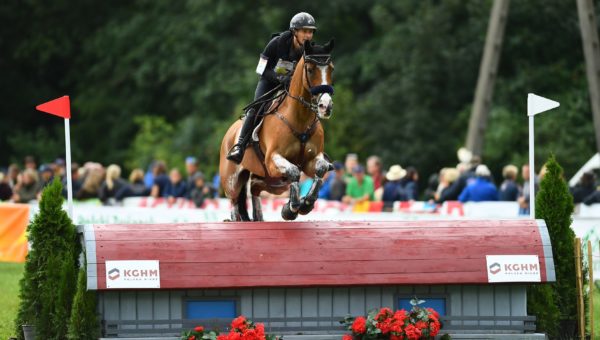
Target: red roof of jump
271, 254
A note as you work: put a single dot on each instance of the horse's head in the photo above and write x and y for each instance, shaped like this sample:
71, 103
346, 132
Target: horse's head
318, 76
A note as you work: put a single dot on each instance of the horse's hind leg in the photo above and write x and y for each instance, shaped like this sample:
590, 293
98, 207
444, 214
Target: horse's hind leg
307, 203
239, 206
257, 209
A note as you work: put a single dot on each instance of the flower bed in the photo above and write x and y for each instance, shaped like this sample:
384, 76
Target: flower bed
241, 329
385, 324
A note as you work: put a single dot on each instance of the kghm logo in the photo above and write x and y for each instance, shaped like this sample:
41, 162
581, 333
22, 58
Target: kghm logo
114, 274
495, 268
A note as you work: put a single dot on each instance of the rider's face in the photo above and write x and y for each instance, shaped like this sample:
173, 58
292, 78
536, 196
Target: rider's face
304, 34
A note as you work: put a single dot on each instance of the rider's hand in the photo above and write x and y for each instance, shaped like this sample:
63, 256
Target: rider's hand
284, 79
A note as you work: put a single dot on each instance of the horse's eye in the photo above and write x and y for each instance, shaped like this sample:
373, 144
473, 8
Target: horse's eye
310, 71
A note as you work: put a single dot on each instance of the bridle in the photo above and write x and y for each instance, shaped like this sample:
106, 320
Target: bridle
315, 91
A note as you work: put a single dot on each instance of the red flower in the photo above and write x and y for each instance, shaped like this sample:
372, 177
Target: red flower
192, 337
359, 326
396, 337
385, 326
412, 332
347, 337
400, 316
384, 313
434, 328
433, 313
421, 325
260, 329
239, 323
199, 329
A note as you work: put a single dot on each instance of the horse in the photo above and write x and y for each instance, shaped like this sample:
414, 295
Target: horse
288, 141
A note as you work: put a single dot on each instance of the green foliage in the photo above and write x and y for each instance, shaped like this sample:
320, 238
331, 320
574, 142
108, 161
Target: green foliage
541, 303
554, 204
154, 141
405, 77
83, 323
47, 286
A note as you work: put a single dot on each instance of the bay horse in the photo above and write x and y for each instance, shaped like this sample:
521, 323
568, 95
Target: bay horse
290, 141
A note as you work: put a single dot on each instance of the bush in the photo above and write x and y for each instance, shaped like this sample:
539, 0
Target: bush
83, 323
554, 204
47, 286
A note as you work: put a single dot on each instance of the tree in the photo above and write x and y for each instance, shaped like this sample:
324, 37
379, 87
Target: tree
47, 286
83, 323
554, 204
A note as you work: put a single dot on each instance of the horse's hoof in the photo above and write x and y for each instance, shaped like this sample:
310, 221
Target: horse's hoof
305, 207
227, 220
287, 213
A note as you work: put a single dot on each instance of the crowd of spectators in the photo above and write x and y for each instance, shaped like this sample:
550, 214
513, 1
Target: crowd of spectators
94, 181
350, 182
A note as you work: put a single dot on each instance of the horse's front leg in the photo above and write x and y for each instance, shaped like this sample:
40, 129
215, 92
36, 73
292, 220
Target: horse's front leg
281, 167
321, 166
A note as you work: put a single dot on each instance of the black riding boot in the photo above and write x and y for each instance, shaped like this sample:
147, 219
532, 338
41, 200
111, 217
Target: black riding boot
236, 154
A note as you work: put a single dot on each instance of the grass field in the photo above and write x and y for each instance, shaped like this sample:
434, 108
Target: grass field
10, 274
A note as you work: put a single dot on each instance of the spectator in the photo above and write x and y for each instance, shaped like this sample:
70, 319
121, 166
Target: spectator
59, 168
13, 175
30, 163
337, 188
432, 184
176, 187
91, 183
524, 198
27, 187
481, 189
76, 179
5, 189
350, 162
466, 177
191, 168
410, 183
135, 188
374, 169
585, 187
393, 190
159, 173
46, 176
360, 187
112, 184
446, 189
509, 189
201, 190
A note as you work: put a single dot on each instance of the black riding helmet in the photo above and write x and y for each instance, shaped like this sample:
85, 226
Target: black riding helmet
303, 20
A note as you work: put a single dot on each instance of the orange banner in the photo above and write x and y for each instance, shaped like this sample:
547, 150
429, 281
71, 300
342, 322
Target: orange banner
13, 225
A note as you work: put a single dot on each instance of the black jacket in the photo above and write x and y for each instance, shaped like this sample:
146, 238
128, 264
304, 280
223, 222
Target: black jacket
280, 47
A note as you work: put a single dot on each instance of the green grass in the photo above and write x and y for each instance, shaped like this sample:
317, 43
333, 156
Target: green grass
10, 274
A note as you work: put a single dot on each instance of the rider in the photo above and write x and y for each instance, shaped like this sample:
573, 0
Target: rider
274, 68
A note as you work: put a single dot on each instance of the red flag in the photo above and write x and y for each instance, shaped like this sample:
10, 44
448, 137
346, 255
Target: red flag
59, 107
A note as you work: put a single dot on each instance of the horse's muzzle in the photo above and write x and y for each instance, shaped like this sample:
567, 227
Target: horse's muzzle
325, 106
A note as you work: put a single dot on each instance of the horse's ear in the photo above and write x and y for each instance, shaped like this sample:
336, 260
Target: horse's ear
329, 46
307, 47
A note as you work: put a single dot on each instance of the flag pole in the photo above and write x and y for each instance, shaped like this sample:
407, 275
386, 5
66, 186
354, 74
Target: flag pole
535, 104
68, 155
531, 171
